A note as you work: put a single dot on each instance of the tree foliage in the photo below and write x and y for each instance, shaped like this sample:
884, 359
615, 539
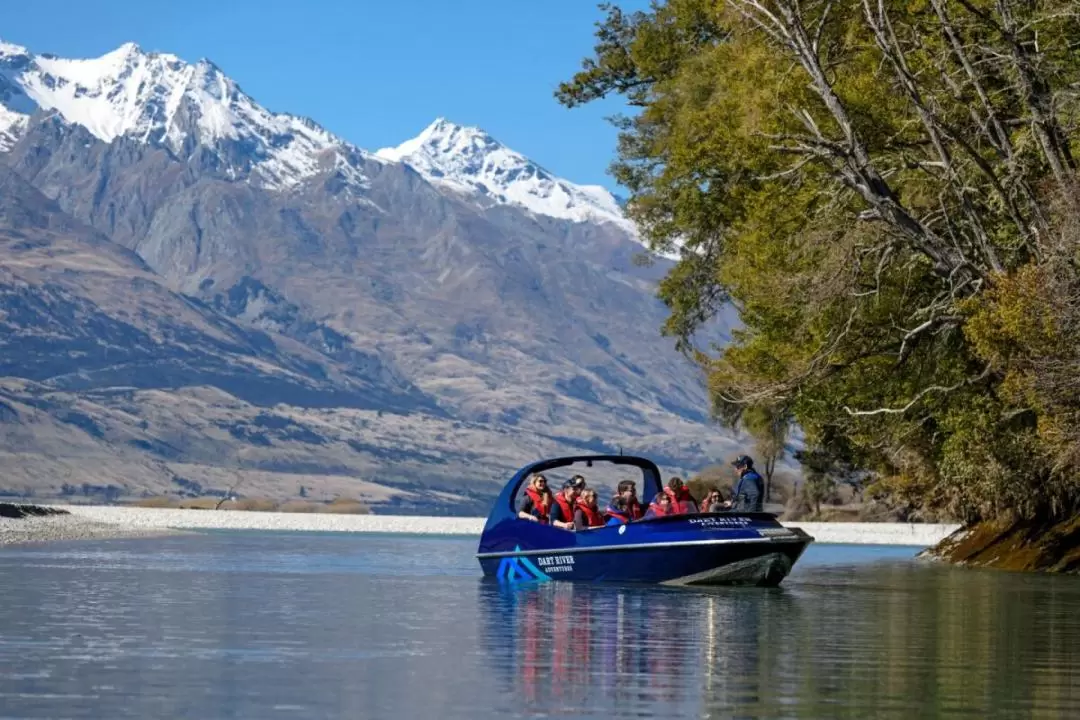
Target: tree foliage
768, 425
886, 192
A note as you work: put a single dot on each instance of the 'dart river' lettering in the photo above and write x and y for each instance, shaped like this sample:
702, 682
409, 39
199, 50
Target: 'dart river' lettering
556, 563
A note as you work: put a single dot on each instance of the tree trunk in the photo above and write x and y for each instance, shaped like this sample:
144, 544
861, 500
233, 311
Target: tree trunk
770, 467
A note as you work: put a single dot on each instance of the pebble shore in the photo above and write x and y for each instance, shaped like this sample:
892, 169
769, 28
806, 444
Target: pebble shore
91, 522
69, 527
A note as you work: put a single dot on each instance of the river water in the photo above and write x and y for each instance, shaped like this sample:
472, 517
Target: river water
264, 625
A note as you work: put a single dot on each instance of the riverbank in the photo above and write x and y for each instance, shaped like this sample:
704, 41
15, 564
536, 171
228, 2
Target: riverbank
1008, 545
128, 521
21, 524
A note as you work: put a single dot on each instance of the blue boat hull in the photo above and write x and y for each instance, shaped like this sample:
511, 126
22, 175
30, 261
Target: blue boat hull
717, 549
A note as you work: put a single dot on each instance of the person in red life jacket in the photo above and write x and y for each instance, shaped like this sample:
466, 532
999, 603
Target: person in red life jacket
537, 505
682, 502
624, 507
661, 506
587, 512
562, 510
714, 502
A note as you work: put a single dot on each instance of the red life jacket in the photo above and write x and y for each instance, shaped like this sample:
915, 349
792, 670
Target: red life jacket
634, 512
541, 511
682, 502
659, 511
613, 513
592, 517
686, 503
565, 506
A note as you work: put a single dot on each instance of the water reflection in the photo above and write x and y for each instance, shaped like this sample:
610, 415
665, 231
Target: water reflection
575, 648
312, 626
889, 640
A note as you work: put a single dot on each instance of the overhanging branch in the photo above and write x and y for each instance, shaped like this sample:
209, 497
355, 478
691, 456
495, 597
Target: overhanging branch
919, 396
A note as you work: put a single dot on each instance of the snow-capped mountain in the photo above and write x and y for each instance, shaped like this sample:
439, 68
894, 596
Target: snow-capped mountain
157, 97
469, 161
161, 231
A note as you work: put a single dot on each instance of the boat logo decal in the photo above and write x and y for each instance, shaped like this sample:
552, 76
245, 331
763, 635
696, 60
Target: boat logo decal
516, 569
622, 529
556, 563
720, 521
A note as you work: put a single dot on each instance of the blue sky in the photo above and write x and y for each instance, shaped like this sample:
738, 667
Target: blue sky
373, 72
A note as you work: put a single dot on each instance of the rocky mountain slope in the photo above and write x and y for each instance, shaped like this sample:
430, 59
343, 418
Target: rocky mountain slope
446, 309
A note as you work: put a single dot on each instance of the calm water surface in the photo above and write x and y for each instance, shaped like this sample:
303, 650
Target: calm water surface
245, 625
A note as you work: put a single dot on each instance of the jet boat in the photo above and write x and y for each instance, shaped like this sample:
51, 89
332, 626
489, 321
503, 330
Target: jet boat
726, 548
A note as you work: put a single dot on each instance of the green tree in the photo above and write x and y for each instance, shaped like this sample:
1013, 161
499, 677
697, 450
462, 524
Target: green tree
768, 425
885, 191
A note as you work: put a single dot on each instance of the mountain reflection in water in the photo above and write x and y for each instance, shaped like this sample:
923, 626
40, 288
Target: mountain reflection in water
262, 625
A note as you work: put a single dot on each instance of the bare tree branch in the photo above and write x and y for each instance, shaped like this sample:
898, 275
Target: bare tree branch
920, 395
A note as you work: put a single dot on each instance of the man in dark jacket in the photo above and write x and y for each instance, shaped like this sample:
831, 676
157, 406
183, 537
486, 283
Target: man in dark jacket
749, 494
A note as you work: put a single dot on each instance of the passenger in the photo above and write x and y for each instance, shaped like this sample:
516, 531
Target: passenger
537, 503
748, 495
714, 502
587, 512
661, 506
682, 502
624, 507
616, 513
562, 510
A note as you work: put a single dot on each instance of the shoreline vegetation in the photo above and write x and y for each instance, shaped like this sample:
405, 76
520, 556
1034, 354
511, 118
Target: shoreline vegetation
889, 194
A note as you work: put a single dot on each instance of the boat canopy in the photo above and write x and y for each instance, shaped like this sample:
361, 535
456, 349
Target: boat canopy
649, 484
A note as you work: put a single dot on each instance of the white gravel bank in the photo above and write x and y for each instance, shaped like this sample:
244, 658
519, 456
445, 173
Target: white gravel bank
921, 535
246, 520
69, 527
915, 534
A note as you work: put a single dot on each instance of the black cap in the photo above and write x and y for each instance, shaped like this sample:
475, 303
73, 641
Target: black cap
743, 461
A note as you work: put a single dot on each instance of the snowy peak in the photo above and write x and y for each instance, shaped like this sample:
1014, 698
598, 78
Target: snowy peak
469, 161
9, 50
159, 98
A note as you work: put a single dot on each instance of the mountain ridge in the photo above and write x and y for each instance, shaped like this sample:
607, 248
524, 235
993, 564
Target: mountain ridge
469, 160
198, 99
157, 97
502, 332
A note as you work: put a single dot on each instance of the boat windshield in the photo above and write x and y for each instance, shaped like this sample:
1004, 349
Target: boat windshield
602, 474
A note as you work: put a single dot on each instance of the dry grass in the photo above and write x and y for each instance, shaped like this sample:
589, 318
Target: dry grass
158, 501
345, 506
